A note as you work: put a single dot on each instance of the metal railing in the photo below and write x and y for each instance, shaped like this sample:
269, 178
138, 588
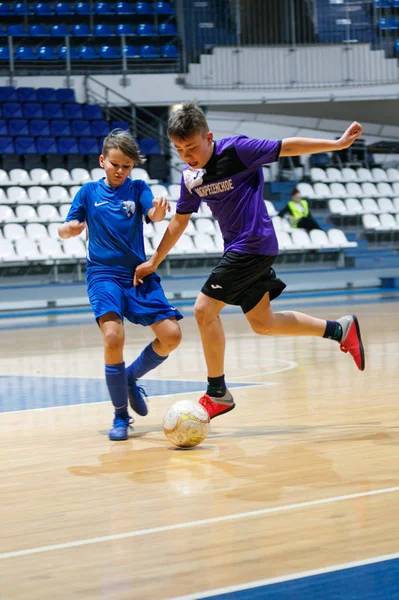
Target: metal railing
238, 44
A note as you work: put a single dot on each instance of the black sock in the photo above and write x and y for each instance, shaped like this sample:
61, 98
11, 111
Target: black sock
216, 386
333, 331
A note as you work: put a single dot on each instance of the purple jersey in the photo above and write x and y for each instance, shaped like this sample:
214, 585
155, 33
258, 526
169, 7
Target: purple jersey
231, 183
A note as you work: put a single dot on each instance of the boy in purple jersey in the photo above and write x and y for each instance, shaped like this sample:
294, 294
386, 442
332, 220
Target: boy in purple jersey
113, 209
227, 175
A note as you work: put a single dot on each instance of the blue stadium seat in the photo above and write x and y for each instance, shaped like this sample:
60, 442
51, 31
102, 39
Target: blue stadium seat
73, 110
82, 8
65, 95
39, 127
149, 52
119, 125
89, 145
43, 8
92, 111
124, 8
62, 53
388, 24
12, 110
87, 53
16, 30
26, 94
145, 29
382, 3
80, 127
397, 46
167, 29
6, 8
3, 127
7, 145
149, 146
53, 110
8, 93
63, 8
2, 31
80, 29
60, 128
395, 3
67, 145
169, 51
18, 127
46, 145
103, 8
32, 110
4, 53
109, 52
25, 145
46, 94
46, 53
143, 8
164, 8
59, 30
25, 53
103, 29
99, 128
124, 29
38, 30
22, 8
131, 52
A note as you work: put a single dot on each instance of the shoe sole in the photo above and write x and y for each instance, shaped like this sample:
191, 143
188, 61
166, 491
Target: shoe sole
224, 412
362, 356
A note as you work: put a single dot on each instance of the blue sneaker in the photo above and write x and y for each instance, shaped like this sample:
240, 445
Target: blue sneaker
119, 429
136, 398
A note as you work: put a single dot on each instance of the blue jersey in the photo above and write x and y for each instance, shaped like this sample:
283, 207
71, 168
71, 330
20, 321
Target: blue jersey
114, 218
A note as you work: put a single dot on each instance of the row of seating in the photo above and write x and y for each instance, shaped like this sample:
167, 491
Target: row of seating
355, 206
50, 110
351, 190
63, 177
299, 239
48, 53
384, 222
9, 93
386, 3
348, 175
83, 30
58, 127
50, 145
83, 8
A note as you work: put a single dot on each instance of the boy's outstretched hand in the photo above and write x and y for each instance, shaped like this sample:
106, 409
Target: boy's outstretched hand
352, 134
146, 268
161, 207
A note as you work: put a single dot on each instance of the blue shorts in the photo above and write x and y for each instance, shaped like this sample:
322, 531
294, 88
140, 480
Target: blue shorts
143, 305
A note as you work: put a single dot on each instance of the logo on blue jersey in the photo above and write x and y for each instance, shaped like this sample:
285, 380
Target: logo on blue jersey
129, 208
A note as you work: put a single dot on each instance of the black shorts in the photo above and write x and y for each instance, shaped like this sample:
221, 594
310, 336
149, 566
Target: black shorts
243, 280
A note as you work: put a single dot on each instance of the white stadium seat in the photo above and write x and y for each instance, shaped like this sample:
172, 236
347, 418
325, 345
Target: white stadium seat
7, 214
337, 206
338, 238
27, 249
26, 213
38, 194
79, 176
35, 231
60, 176
58, 194
47, 213
40, 176
19, 177
13, 231
17, 195
7, 252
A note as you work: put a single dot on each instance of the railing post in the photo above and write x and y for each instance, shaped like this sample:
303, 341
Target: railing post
124, 80
68, 61
11, 53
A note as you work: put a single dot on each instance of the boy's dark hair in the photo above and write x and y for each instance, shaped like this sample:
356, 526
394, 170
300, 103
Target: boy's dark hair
187, 121
125, 142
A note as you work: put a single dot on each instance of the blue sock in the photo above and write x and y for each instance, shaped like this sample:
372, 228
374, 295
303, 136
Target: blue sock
115, 376
147, 361
333, 331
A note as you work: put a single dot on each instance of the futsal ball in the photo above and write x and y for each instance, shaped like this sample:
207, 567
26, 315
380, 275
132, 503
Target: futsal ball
186, 424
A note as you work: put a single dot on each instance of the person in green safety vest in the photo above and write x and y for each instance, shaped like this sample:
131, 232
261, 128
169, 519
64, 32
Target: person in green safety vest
299, 213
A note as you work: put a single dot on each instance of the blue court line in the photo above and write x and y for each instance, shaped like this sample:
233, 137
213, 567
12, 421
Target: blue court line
27, 393
376, 581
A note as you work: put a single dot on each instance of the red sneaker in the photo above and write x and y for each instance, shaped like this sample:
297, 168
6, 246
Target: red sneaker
351, 340
217, 406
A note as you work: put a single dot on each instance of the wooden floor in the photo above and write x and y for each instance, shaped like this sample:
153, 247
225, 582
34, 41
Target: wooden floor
284, 484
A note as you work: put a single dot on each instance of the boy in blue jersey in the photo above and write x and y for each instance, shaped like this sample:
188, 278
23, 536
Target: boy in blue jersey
227, 175
112, 209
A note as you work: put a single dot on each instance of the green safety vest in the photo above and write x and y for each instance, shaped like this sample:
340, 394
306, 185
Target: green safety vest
296, 213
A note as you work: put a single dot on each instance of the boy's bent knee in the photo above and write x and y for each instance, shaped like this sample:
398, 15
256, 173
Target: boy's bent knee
261, 327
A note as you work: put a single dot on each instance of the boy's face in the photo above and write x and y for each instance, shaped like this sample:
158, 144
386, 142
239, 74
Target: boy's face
195, 150
117, 166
